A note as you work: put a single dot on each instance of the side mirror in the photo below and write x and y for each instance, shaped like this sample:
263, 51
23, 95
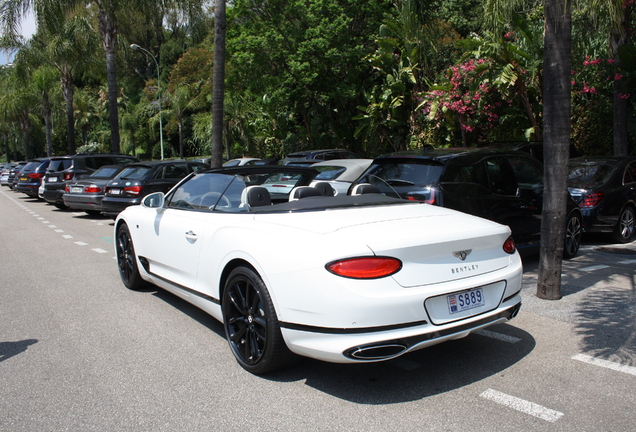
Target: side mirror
154, 200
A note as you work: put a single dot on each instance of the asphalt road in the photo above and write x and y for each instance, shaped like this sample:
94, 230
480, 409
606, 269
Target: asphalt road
79, 352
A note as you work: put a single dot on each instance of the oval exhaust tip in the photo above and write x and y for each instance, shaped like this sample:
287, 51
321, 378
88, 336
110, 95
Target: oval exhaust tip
376, 352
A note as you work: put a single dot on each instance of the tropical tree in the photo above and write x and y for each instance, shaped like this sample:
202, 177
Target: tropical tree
45, 82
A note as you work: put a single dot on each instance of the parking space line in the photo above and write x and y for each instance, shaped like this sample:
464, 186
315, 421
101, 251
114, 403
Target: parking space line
98, 250
594, 268
627, 262
522, 405
605, 363
67, 236
497, 336
81, 243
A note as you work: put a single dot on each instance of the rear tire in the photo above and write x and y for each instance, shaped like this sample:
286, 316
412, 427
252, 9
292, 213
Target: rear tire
127, 260
573, 234
251, 326
624, 230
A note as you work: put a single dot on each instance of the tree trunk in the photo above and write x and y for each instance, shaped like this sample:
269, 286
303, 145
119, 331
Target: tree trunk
557, 63
6, 146
180, 122
218, 86
25, 124
68, 91
108, 31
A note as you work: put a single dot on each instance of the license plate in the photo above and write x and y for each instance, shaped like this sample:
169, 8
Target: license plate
115, 192
51, 180
465, 300
23, 179
77, 189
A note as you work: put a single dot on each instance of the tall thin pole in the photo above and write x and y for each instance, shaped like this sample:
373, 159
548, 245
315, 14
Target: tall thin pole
137, 47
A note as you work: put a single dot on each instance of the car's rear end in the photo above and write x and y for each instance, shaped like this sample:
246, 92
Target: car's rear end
31, 176
405, 277
57, 174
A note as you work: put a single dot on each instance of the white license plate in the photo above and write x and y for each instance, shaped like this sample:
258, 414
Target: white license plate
77, 189
115, 192
465, 300
51, 180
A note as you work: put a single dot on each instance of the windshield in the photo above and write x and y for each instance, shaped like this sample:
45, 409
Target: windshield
587, 176
134, 173
106, 172
329, 172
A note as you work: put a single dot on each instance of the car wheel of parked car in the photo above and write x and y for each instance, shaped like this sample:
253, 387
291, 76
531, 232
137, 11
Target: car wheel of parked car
127, 261
624, 230
251, 326
573, 234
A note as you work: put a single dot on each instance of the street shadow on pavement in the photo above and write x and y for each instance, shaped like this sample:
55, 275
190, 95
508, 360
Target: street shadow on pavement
599, 300
11, 349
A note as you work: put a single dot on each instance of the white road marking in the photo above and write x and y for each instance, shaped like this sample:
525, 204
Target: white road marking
52, 226
81, 243
59, 230
67, 236
498, 336
98, 250
523, 406
627, 262
45, 222
605, 363
593, 268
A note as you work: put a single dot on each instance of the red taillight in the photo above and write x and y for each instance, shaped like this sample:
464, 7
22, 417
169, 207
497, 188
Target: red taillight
92, 189
133, 190
592, 199
365, 267
67, 189
35, 176
68, 176
429, 200
509, 246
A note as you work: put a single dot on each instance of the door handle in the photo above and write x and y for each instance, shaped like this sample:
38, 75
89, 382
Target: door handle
191, 237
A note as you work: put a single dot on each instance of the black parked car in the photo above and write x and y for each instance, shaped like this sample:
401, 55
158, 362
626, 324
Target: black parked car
604, 187
308, 157
87, 194
76, 167
14, 174
140, 179
31, 176
504, 186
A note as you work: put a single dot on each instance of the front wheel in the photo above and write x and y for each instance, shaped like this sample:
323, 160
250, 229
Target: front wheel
624, 230
573, 234
251, 326
127, 260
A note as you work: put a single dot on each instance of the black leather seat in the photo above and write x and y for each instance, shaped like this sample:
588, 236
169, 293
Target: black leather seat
324, 188
300, 192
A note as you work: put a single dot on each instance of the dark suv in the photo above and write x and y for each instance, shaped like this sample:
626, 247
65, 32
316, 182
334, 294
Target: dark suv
65, 168
30, 177
140, 179
504, 186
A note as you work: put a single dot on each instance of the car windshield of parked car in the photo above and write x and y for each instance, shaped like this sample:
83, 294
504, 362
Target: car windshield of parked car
60, 164
403, 174
329, 172
134, 173
106, 172
588, 175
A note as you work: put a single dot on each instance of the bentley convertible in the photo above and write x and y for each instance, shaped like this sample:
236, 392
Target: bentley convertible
298, 271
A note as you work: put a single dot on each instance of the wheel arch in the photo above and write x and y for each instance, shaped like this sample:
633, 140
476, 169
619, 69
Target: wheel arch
231, 265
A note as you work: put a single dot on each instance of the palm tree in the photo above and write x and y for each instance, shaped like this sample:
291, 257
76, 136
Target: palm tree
557, 68
180, 101
107, 12
45, 82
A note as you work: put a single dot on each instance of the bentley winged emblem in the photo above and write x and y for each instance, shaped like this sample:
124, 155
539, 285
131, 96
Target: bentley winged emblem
462, 254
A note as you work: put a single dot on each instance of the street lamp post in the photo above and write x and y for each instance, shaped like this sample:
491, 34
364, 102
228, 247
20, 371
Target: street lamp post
137, 47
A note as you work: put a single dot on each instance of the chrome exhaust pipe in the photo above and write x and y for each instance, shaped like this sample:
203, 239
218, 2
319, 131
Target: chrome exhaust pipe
376, 352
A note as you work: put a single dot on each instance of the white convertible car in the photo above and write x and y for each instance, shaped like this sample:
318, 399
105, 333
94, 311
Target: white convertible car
344, 279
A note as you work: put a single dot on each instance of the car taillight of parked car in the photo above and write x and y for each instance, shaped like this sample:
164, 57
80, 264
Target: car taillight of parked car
133, 190
68, 176
592, 200
426, 196
509, 245
35, 176
92, 189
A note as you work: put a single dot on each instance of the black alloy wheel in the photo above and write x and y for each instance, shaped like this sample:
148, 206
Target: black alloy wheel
250, 322
624, 230
573, 235
126, 260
